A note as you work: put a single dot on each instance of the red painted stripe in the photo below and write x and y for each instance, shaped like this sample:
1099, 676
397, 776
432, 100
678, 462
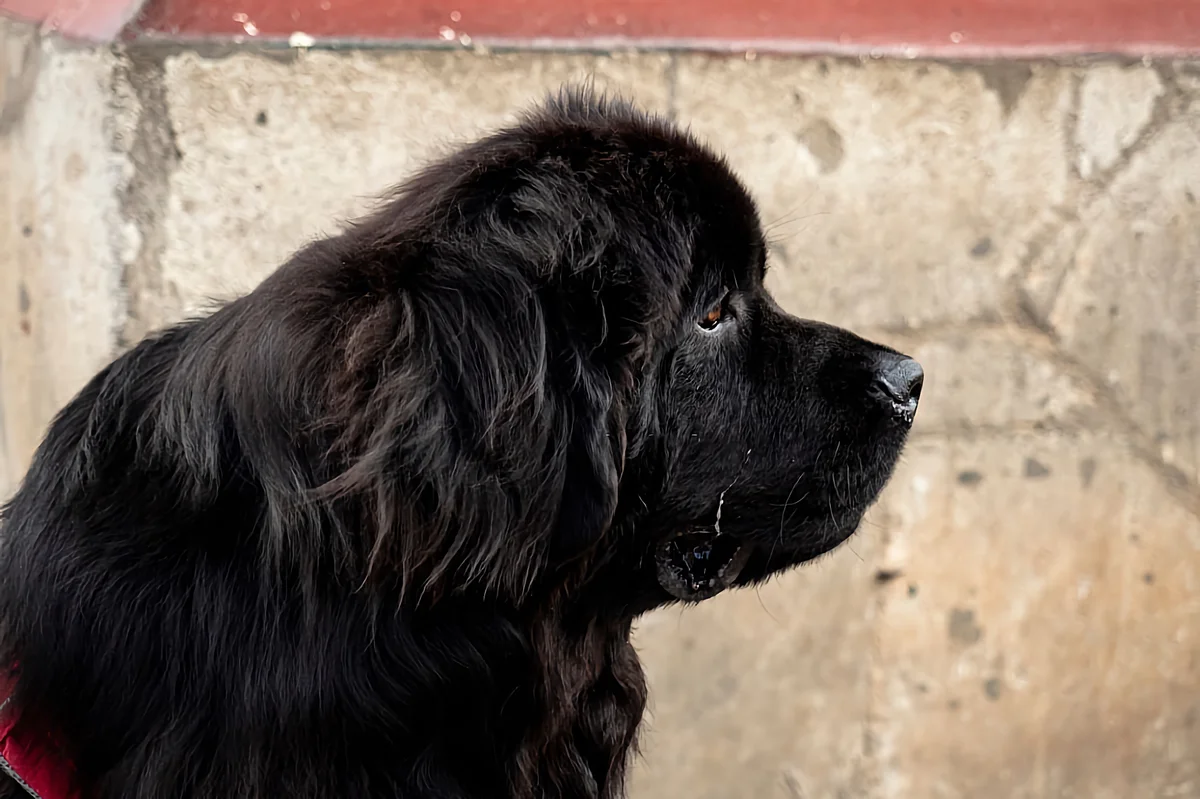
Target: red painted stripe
940, 27
98, 20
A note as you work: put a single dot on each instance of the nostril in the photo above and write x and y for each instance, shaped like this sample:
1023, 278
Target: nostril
898, 383
914, 391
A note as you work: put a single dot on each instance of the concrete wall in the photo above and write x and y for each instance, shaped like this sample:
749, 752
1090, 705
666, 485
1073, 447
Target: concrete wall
1021, 615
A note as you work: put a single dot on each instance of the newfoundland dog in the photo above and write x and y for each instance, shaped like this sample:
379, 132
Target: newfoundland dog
380, 528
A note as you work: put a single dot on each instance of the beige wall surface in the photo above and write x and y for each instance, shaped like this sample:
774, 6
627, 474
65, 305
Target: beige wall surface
1019, 617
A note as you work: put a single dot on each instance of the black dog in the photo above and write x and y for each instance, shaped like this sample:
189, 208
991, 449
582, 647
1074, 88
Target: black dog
380, 528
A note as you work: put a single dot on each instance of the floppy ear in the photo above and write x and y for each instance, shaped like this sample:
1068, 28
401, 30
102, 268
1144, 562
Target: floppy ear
480, 405
482, 447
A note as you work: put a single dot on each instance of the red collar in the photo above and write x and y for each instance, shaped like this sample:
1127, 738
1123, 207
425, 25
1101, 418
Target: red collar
31, 758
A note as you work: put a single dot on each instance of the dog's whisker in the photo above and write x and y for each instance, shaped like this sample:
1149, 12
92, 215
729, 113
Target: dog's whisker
787, 502
850, 547
721, 499
763, 605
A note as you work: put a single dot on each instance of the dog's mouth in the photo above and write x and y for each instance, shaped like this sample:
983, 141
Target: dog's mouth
699, 564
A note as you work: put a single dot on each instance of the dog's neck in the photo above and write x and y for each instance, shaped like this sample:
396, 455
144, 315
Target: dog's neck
592, 694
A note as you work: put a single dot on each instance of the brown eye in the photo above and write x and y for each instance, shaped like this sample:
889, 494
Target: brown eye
715, 314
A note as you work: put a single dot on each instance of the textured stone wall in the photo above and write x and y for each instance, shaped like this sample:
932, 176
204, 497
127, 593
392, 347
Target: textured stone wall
1020, 616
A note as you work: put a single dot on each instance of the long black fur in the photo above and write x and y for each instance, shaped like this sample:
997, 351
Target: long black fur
380, 527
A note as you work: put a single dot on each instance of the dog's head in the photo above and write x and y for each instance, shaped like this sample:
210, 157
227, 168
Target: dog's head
563, 366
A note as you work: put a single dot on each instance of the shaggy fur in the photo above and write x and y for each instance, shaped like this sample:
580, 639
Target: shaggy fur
380, 528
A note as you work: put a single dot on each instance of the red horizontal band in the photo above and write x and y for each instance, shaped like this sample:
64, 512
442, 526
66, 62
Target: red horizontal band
965, 28
924, 27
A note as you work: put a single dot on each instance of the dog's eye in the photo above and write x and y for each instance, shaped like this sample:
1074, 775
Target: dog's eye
715, 315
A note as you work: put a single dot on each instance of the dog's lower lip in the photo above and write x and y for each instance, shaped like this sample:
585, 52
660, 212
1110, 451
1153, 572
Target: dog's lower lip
699, 564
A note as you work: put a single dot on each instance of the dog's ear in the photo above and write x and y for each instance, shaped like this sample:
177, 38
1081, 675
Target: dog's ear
595, 286
481, 446
479, 411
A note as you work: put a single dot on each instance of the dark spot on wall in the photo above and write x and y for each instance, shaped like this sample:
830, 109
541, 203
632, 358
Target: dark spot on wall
261, 118
912, 590
1191, 198
982, 247
23, 301
1114, 311
74, 167
1008, 81
25, 327
961, 626
954, 704
26, 231
1087, 471
922, 688
1148, 578
1134, 538
1035, 469
885, 576
970, 478
993, 688
825, 143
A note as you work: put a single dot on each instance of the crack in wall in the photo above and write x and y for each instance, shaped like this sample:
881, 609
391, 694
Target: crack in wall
1170, 105
1107, 415
1113, 415
1023, 310
1167, 107
153, 154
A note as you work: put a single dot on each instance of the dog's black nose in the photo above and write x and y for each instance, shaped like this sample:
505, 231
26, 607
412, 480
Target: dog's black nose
897, 385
